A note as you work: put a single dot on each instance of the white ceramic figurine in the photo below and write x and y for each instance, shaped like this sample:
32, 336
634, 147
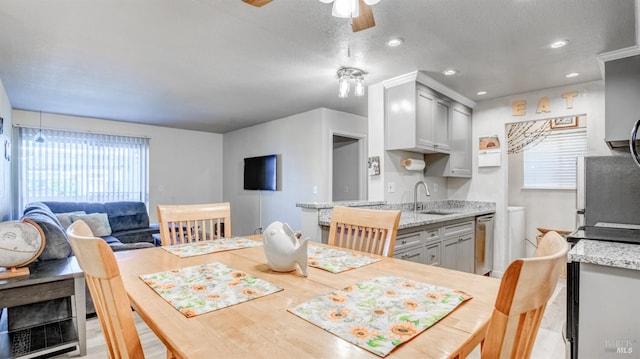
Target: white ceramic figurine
284, 249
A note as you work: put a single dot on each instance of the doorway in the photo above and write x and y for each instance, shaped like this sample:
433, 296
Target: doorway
347, 173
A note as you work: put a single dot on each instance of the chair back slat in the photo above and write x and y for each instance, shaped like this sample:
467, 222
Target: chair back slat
365, 230
192, 223
525, 289
102, 274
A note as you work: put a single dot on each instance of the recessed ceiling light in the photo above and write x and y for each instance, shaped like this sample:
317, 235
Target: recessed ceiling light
558, 44
481, 93
396, 41
572, 74
449, 72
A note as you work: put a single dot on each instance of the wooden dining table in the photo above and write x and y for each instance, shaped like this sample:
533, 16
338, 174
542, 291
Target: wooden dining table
263, 328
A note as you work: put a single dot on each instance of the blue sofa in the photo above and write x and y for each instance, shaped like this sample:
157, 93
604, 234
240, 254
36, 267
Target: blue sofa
128, 228
128, 224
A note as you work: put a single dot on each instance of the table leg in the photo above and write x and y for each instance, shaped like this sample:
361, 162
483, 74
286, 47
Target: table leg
81, 313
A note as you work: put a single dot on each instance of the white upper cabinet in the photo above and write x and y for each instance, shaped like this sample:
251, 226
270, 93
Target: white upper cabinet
416, 119
458, 162
622, 92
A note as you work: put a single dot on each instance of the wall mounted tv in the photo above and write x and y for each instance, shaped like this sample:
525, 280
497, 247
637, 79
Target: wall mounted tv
260, 173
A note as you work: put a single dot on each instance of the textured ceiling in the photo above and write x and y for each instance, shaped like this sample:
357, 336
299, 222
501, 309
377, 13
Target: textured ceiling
220, 65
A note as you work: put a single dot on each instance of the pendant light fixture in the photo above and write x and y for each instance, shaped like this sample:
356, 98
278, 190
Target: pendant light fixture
345, 75
39, 137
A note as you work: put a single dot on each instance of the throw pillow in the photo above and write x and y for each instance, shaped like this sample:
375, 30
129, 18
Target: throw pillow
97, 222
65, 218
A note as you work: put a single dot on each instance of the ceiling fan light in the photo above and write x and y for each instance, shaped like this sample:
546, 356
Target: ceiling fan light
326, 1
346, 9
370, 2
359, 90
344, 86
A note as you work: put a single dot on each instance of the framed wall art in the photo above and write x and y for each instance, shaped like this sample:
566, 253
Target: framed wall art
374, 165
564, 122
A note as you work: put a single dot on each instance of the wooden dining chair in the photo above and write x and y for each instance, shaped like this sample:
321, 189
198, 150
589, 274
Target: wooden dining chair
525, 289
186, 223
365, 230
97, 261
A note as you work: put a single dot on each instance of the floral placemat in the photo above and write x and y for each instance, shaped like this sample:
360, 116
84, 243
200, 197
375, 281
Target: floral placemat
336, 260
206, 247
381, 313
207, 287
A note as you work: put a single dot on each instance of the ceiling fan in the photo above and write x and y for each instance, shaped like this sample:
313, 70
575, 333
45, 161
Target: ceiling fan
357, 10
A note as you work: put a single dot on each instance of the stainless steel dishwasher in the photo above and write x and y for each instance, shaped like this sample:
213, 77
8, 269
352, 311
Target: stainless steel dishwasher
484, 244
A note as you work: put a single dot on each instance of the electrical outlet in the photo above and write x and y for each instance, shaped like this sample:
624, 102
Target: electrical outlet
315, 189
391, 187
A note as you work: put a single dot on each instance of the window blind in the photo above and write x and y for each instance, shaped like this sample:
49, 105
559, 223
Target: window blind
82, 167
552, 162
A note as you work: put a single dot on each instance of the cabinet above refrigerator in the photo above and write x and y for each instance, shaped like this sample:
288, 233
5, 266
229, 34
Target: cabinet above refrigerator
622, 108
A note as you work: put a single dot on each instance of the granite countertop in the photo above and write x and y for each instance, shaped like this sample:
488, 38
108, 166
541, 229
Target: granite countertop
321, 205
612, 254
408, 218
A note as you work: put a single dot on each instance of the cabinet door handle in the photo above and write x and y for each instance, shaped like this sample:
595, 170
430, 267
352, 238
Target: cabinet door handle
433, 256
404, 241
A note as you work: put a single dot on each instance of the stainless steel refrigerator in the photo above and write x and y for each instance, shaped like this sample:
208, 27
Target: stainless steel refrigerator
608, 190
608, 204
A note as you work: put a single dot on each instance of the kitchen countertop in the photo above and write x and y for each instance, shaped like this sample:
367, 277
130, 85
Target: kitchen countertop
455, 210
322, 205
612, 254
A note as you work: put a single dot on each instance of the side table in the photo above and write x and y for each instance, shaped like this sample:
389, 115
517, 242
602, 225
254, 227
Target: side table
47, 280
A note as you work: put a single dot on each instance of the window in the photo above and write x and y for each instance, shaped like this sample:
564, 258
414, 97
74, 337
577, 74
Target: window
551, 163
81, 167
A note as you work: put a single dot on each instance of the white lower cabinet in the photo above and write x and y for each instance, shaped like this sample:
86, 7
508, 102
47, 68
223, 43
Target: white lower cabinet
458, 249
458, 253
449, 246
410, 247
432, 253
413, 254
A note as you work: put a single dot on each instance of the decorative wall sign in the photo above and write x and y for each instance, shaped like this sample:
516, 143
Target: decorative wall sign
489, 151
374, 165
564, 122
489, 143
519, 107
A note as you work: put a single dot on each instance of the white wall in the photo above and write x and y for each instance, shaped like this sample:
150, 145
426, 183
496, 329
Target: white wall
404, 180
490, 183
376, 184
304, 145
185, 167
5, 166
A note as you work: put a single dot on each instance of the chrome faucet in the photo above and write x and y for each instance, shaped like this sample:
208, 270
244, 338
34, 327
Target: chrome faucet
415, 194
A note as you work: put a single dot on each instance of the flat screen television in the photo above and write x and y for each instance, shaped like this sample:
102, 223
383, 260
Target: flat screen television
260, 173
